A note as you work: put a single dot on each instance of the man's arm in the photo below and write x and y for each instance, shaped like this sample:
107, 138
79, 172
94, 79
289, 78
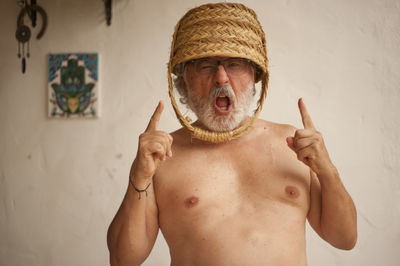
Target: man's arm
332, 212
133, 231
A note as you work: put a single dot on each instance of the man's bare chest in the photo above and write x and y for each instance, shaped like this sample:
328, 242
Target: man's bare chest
203, 187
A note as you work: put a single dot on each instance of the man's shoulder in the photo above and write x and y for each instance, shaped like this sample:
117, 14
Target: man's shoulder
180, 136
273, 128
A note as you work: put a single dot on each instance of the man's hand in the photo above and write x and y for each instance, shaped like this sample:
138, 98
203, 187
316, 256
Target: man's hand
332, 213
154, 147
309, 145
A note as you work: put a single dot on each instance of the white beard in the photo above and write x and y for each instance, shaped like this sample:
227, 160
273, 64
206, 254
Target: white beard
207, 115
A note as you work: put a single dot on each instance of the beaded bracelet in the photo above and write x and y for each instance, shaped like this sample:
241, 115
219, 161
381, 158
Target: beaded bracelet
139, 191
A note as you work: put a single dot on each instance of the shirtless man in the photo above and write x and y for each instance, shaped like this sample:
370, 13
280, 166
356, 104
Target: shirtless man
241, 202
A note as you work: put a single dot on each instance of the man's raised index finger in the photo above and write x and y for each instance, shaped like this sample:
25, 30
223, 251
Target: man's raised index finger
155, 118
305, 117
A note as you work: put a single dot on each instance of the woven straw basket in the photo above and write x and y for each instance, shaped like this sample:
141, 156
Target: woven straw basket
226, 30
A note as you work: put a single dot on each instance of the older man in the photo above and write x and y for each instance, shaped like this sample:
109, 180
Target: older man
241, 201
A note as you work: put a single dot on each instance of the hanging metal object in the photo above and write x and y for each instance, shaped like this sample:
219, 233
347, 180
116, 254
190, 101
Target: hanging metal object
107, 7
33, 13
23, 33
31, 10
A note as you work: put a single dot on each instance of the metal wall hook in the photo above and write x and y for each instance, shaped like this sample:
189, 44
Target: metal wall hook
30, 10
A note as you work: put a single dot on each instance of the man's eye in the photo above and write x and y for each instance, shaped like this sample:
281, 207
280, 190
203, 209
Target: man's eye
206, 66
233, 64
236, 63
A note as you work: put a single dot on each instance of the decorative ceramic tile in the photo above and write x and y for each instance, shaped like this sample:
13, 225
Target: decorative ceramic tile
73, 86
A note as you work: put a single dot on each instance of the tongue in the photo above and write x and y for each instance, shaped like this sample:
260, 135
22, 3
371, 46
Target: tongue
222, 102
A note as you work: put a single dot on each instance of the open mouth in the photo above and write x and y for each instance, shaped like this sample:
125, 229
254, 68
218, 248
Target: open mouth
223, 104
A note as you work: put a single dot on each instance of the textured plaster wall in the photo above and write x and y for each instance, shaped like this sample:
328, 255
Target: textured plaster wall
61, 182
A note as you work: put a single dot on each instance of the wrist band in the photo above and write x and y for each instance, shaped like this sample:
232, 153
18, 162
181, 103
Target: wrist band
139, 191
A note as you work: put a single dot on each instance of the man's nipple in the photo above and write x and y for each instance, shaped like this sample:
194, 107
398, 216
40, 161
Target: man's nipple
191, 201
292, 191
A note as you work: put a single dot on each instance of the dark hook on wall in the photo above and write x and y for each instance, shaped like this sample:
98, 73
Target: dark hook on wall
31, 10
107, 6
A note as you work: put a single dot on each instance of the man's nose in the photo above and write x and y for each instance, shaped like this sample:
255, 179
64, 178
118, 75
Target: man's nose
221, 77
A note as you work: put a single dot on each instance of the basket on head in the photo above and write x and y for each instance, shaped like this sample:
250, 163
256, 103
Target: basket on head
225, 30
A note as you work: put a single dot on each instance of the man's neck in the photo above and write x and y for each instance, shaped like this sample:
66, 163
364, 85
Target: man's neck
199, 124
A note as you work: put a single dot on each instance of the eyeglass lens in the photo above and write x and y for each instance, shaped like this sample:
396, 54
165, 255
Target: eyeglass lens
233, 66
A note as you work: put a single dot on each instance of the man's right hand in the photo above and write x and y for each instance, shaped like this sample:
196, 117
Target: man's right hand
154, 147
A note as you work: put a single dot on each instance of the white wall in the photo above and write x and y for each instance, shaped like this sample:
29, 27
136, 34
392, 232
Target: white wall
61, 182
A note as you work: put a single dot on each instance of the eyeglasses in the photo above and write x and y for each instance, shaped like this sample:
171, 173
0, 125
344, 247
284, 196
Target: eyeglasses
232, 66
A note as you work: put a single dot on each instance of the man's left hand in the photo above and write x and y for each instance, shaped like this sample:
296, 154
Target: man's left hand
309, 145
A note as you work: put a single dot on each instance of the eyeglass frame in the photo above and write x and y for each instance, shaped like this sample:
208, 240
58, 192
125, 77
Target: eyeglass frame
219, 62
